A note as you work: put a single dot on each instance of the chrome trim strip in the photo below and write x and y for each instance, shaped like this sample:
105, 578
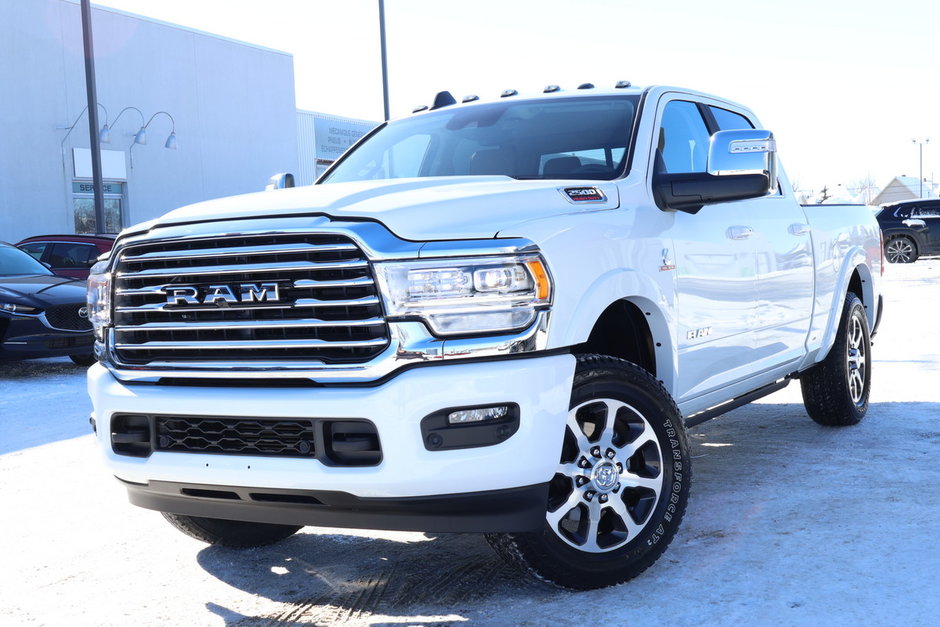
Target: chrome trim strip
243, 251
360, 282
411, 343
255, 344
373, 238
249, 324
316, 302
243, 268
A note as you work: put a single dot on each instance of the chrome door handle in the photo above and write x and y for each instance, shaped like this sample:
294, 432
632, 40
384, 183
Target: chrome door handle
739, 232
799, 229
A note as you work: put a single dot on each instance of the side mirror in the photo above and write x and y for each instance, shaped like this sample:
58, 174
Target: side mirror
281, 180
741, 164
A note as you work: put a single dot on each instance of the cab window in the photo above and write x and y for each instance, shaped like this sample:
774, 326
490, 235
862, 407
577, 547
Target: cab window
683, 138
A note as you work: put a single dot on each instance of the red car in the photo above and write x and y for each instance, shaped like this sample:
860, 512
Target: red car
68, 255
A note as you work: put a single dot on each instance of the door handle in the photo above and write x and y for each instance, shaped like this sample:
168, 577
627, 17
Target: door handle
739, 232
799, 229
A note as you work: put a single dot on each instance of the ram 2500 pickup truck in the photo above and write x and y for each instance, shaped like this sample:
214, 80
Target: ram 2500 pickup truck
495, 317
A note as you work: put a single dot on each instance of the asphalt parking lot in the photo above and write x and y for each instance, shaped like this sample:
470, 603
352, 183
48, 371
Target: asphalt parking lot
790, 523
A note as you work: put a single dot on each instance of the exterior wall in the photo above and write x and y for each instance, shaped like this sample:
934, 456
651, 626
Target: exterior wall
322, 138
232, 104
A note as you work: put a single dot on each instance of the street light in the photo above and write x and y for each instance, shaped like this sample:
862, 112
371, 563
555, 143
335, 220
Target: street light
920, 146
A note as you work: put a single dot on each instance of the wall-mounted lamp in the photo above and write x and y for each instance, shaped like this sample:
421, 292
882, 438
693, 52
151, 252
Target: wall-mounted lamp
141, 136
105, 135
101, 135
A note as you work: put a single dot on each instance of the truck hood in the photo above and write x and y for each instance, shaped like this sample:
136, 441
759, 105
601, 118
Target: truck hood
413, 209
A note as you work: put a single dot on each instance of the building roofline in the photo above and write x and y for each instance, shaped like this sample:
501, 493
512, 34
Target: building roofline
188, 29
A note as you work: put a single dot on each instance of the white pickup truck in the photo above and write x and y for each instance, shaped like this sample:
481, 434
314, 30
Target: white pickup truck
495, 317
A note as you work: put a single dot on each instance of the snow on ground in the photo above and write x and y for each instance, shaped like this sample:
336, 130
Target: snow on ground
790, 523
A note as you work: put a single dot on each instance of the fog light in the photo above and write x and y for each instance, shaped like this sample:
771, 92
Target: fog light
477, 414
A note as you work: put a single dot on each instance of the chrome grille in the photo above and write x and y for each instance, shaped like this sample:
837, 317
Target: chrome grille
291, 297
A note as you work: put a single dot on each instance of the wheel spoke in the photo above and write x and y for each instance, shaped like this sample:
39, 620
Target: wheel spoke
629, 449
593, 527
633, 480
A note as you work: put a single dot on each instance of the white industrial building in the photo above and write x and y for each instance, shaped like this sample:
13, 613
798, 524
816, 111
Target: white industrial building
218, 118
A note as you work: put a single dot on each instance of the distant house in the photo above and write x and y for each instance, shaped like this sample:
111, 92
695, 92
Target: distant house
904, 188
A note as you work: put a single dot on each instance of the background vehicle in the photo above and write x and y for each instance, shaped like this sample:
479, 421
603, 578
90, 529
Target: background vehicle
911, 229
68, 255
493, 317
41, 314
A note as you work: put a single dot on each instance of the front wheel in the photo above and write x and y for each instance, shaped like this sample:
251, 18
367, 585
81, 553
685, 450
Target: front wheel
230, 533
83, 360
621, 486
836, 390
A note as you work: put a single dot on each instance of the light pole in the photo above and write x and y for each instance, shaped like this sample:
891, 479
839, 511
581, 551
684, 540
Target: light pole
920, 147
384, 61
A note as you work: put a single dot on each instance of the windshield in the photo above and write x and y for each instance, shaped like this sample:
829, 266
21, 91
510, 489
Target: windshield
14, 262
567, 138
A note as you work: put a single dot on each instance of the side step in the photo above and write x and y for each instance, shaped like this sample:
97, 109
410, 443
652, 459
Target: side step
712, 412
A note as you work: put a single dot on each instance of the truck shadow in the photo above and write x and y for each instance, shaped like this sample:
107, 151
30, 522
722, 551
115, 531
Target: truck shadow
337, 578
743, 463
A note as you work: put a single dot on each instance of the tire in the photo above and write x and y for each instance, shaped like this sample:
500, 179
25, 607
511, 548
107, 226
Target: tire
83, 360
901, 249
621, 486
836, 390
230, 533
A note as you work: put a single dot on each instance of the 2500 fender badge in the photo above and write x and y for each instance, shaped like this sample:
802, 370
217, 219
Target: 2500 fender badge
584, 194
222, 295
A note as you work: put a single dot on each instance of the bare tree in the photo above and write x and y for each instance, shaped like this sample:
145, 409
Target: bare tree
864, 187
823, 195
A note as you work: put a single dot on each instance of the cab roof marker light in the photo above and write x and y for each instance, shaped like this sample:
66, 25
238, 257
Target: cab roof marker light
443, 99
622, 84
420, 109
586, 86
508, 93
550, 89
471, 98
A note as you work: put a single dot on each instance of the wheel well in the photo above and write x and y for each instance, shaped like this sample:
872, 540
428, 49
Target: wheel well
622, 331
855, 286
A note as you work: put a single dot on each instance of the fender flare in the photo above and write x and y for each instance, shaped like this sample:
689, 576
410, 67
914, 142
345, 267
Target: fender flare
625, 284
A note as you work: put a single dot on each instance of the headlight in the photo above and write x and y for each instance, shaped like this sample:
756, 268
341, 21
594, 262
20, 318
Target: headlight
465, 296
99, 298
19, 309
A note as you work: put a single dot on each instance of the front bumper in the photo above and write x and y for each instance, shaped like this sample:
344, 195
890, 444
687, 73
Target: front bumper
26, 337
540, 386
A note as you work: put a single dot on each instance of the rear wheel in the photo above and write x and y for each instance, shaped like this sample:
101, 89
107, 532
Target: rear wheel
836, 390
230, 533
901, 249
621, 486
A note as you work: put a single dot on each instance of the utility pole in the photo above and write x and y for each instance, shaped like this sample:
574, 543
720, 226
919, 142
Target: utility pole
90, 87
384, 60
920, 146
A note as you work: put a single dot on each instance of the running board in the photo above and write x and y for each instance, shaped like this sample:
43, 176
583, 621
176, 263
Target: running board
708, 414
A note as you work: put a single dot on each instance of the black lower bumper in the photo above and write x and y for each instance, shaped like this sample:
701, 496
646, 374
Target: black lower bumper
516, 509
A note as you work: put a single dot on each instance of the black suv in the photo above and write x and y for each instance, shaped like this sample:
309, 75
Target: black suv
911, 229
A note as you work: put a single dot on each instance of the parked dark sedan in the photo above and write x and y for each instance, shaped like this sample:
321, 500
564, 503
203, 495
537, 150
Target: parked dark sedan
68, 255
911, 229
41, 314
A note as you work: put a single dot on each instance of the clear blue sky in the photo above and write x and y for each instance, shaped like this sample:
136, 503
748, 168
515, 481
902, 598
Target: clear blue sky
845, 85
